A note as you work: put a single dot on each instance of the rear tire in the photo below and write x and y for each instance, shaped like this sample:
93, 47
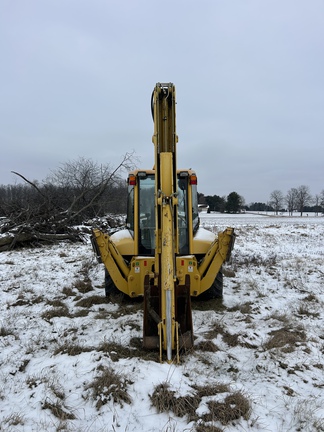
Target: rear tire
110, 287
216, 290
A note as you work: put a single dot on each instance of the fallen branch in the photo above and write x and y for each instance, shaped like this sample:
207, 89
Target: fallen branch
9, 241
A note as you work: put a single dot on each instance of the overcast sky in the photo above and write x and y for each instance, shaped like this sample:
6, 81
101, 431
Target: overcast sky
76, 78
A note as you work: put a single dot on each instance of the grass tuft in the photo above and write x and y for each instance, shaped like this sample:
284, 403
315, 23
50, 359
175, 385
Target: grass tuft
207, 346
234, 406
109, 385
71, 349
13, 419
208, 428
92, 300
211, 389
231, 339
216, 329
286, 336
164, 400
68, 292
5, 331
83, 285
58, 410
61, 311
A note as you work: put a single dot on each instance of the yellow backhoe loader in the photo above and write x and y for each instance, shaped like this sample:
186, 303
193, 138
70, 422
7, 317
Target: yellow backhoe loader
163, 254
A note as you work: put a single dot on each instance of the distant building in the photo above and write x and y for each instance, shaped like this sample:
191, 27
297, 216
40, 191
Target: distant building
203, 208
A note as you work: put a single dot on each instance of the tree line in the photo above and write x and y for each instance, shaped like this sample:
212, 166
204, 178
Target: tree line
297, 199
232, 203
82, 189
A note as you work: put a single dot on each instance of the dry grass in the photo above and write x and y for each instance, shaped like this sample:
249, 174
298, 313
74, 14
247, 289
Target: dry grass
144, 354
231, 340
61, 311
282, 317
56, 303
204, 305
92, 300
72, 349
213, 389
216, 329
208, 428
21, 302
311, 298
38, 299
206, 346
68, 292
87, 265
115, 350
58, 410
13, 419
127, 305
255, 260
83, 285
57, 390
5, 331
81, 313
23, 365
246, 308
109, 385
304, 310
234, 406
243, 308
164, 400
307, 415
287, 336
9, 262
135, 349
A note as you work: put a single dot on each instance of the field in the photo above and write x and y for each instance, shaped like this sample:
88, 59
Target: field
72, 361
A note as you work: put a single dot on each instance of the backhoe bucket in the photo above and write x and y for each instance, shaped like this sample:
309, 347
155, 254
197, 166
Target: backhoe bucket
153, 326
152, 313
183, 314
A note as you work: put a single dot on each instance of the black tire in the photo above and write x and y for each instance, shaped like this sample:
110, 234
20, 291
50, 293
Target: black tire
216, 290
110, 288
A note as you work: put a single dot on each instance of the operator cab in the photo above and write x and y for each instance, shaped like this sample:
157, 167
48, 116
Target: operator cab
141, 210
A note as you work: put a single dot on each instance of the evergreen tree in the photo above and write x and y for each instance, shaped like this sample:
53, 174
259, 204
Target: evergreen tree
215, 203
234, 203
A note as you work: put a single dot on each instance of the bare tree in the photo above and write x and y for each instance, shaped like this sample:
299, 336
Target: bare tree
303, 198
291, 200
47, 212
86, 187
322, 199
317, 199
276, 200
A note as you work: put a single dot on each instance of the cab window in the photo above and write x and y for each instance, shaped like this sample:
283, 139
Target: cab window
146, 215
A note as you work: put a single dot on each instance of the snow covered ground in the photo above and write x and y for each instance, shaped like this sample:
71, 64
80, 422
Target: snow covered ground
71, 361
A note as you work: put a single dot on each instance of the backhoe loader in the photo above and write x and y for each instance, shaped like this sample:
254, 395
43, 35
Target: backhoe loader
163, 254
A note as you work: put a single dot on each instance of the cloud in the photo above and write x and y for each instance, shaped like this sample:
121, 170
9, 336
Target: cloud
77, 78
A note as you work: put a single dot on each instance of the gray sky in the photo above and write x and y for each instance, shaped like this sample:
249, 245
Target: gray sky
76, 78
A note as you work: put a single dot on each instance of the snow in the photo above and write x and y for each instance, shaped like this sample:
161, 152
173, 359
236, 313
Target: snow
204, 235
278, 283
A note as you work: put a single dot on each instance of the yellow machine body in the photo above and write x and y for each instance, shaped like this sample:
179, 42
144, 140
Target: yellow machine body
163, 254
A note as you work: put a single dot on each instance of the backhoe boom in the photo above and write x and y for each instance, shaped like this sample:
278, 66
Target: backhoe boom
163, 254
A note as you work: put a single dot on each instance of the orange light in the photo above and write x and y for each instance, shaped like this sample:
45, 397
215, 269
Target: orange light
193, 179
132, 180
